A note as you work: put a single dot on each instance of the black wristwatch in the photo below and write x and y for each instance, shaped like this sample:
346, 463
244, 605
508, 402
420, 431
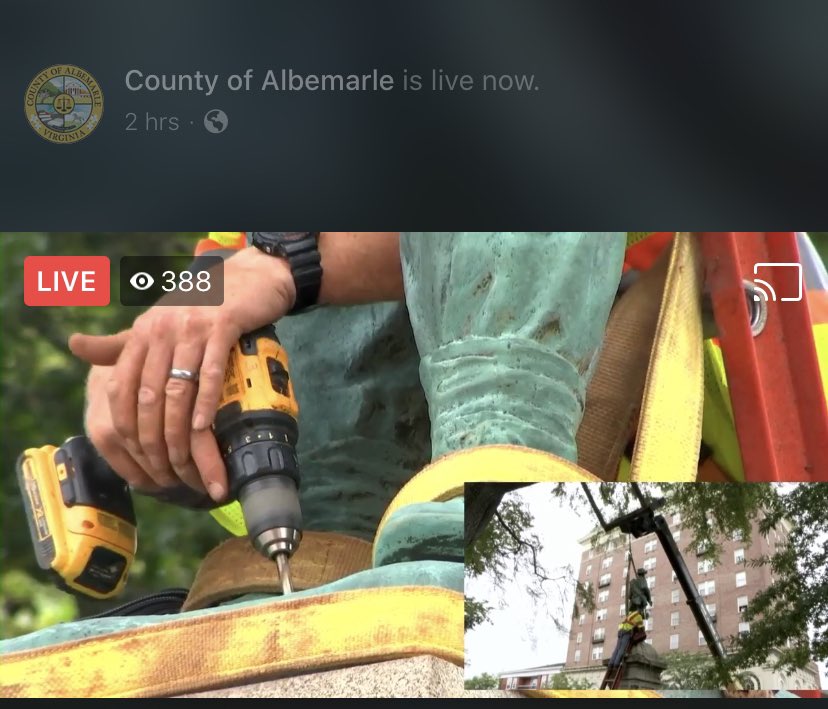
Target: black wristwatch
301, 250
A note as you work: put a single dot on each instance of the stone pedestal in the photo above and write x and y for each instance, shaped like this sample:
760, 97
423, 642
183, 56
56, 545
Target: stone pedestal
643, 668
411, 677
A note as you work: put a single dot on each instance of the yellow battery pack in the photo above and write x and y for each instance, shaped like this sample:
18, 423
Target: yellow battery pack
81, 517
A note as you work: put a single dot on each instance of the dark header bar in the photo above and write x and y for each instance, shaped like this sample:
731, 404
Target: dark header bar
468, 114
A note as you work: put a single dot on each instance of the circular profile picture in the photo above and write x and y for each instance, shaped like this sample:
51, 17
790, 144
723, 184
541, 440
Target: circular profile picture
64, 103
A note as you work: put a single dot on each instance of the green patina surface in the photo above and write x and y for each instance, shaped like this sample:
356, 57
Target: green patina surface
495, 344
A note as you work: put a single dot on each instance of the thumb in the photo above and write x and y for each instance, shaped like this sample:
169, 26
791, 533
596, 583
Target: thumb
102, 350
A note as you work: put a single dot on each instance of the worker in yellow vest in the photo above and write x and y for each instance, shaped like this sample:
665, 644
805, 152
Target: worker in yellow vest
630, 632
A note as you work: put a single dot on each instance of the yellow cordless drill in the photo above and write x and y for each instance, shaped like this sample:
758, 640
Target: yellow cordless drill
80, 513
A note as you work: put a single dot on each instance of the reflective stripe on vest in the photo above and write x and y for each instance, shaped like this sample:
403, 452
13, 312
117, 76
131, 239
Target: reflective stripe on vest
633, 620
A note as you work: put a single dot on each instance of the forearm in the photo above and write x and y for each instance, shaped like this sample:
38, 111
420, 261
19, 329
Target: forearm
360, 267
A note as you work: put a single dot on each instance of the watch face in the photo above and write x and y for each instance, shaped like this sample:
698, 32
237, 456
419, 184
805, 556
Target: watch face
274, 242
270, 241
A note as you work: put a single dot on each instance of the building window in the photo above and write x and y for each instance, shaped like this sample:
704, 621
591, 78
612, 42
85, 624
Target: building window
511, 683
650, 546
673, 578
674, 642
622, 610
606, 563
701, 639
579, 637
711, 611
601, 615
737, 536
650, 563
588, 570
577, 656
648, 624
651, 582
603, 597
597, 652
674, 596
581, 620
534, 683
605, 580
739, 556
675, 619
705, 566
742, 603
589, 554
702, 548
627, 556
677, 518
741, 579
649, 641
677, 535
599, 635
744, 629
708, 588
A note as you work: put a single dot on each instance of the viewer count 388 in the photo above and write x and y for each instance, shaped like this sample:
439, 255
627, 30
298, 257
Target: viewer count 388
54, 281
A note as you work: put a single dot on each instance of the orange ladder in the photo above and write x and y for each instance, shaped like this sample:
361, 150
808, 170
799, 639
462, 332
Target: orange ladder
613, 677
769, 354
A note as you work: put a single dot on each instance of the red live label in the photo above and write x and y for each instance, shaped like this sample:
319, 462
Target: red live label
66, 280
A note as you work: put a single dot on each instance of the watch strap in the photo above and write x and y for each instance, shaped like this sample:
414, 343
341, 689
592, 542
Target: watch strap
301, 250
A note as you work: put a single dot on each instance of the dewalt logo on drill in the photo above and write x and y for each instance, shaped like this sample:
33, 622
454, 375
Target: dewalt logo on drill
63, 103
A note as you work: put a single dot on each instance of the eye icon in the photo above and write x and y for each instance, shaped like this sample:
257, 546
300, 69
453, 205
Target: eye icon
141, 280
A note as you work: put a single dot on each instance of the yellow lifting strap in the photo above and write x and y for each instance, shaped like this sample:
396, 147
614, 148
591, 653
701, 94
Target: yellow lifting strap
445, 477
591, 694
669, 431
243, 645
649, 379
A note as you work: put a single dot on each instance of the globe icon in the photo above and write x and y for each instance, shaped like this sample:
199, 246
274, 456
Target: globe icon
216, 121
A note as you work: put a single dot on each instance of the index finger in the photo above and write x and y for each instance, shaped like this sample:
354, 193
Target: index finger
211, 379
207, 458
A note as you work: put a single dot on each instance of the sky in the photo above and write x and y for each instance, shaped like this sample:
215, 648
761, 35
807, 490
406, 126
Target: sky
521, 633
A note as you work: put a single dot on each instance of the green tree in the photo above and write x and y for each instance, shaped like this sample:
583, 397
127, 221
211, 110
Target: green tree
820, 239
484, 681
476, 612
565, 681
689, 670
694, 670
41, 402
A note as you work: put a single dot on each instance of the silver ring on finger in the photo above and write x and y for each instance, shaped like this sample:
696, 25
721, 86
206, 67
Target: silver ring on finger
184, 374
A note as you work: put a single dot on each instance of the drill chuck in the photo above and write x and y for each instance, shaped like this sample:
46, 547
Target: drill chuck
263, 472
272, 515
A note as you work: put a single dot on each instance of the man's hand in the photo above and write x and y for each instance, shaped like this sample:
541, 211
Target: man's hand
153, 430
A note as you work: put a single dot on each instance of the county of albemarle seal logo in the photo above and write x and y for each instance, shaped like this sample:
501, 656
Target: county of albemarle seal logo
64, 103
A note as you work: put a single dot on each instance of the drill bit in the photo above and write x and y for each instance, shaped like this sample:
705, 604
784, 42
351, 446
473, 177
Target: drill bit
284, 573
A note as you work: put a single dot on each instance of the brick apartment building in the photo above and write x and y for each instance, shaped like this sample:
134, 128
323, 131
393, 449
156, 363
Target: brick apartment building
726, 588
